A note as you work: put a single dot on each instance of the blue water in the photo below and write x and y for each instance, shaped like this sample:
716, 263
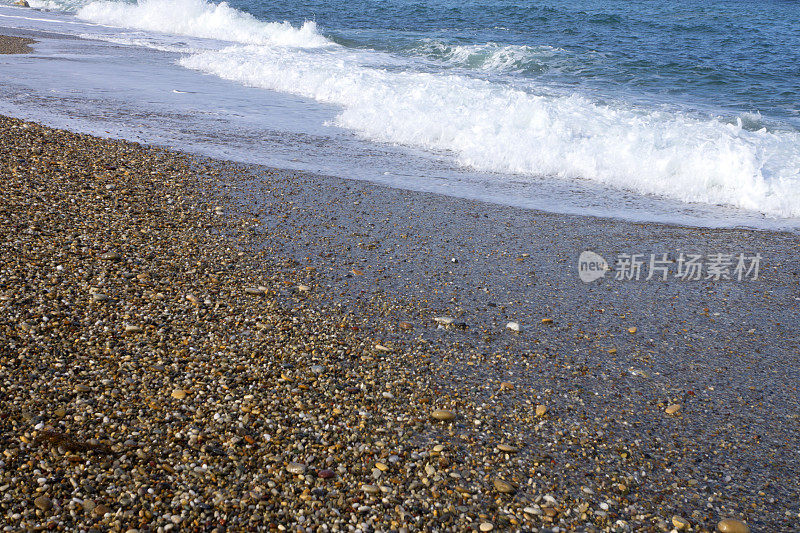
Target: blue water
728, 56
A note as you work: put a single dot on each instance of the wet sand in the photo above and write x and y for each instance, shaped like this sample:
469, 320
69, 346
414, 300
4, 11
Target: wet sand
198, 344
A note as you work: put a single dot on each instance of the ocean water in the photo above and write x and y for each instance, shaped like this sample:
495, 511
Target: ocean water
683, 111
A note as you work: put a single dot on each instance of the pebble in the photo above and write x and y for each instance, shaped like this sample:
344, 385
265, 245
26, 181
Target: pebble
507, 449
680, 522
326, 473
443, 415
547, 321
82, 388
486, 526
303, 288
381, 466
179, 394
111, 256
506, 385
444, 320
514, 326
43, 503
673, 409
101, 510
133, 329
371, 489
254, 291
296, 468
731, 525
632, 330
503, 486
541, 410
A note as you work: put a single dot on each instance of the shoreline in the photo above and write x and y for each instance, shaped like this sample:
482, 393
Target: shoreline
316, 391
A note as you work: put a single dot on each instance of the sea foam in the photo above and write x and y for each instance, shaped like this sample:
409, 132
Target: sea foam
496, 127
197, 18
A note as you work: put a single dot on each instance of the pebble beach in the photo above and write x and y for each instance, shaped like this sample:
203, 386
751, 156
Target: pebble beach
193, 345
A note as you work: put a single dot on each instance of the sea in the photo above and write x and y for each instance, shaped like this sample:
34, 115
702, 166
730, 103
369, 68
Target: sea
684, 112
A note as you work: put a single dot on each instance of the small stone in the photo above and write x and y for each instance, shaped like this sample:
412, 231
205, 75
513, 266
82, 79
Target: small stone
179, 394
326, 473
506, 385
133, 329
381, 466
254, 290
371, 489
99, 297
60, 412
680, 522
503, 486
303, 288
101, 510
632, 330
439, 448
486, 526
672, 409
444, 320
541, 410
82, 388
731, 525
194, 299
443, 414
43, 503
507, 449
382, 348
111, 256
514, 326
547, 321
406, 325
296, 468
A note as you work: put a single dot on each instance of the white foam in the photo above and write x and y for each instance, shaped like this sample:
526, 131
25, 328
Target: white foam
192, 18
500, 128
490, 56
197, 18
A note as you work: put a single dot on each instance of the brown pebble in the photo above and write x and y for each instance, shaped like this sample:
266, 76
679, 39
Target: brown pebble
179, 394
101, 510
443, 414
503, 486
731, 525
43, 503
